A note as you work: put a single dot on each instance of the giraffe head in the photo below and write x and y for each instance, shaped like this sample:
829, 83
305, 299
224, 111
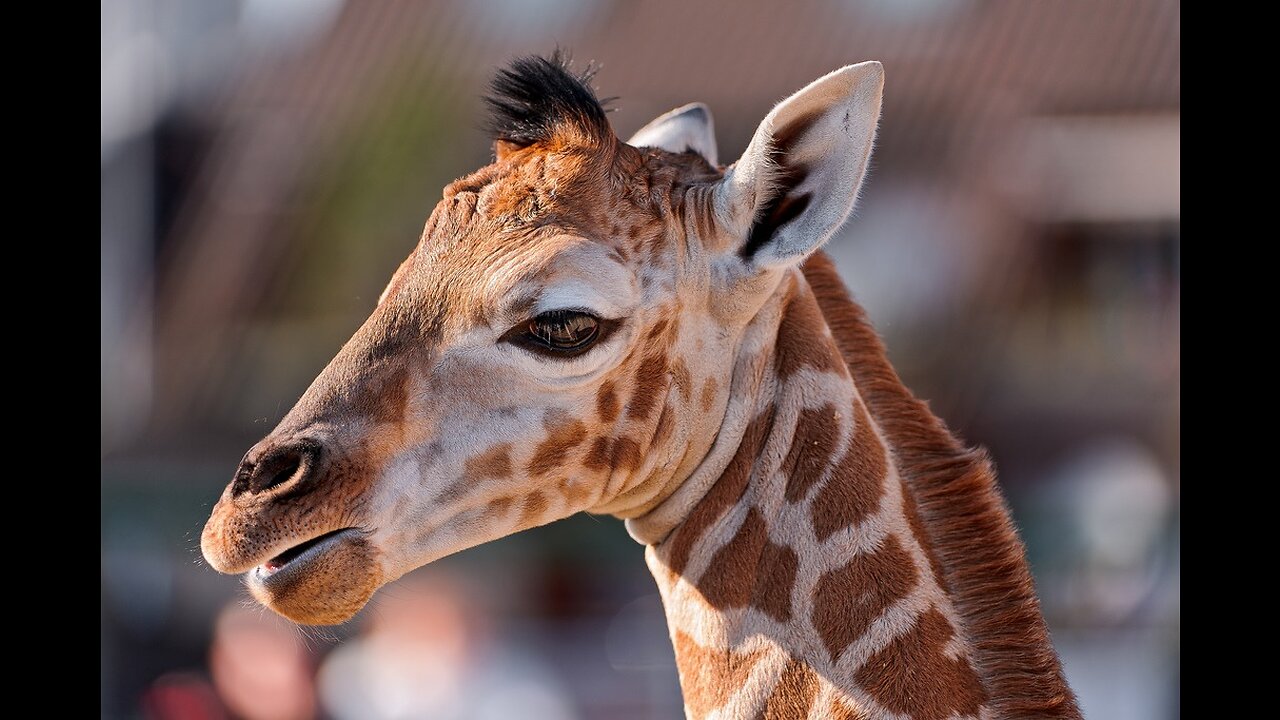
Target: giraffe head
560, 340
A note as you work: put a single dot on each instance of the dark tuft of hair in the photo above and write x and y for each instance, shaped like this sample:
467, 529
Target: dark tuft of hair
534, 97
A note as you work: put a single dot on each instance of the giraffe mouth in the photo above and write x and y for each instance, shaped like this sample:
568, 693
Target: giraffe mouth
300, 554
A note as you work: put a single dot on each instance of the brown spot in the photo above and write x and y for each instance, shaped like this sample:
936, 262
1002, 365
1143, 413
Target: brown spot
615, 454
575, 493
724, 494
598, 457
535, 504
708, 394
708, 678
733, 570
495, 509
802, 341
794, 694
812, 448
650, 381
752, 569
494, 463
552, 452
856, 485
390, 402
607, 402
682, 378
847, 600
778, 566
625, 454
658, 328
912, 675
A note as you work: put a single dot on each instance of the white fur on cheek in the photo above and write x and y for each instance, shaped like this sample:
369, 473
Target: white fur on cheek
397, 492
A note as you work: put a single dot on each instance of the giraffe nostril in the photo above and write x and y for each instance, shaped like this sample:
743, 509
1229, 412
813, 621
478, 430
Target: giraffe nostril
281, 465
285, 473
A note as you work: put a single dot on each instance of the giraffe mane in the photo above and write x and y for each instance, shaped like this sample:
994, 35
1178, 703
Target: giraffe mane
537, 100
967, 522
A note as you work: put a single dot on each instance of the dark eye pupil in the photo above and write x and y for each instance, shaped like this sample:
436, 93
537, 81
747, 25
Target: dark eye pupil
564, 329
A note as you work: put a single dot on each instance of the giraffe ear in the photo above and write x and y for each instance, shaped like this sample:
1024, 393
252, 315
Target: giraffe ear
797, 181
686, 128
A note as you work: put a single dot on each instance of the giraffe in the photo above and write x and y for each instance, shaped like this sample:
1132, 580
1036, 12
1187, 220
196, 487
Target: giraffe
630, 328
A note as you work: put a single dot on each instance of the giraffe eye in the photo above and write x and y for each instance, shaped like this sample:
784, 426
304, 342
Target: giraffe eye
560, 333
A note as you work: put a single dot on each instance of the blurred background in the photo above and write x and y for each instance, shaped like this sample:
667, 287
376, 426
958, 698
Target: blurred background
266, 164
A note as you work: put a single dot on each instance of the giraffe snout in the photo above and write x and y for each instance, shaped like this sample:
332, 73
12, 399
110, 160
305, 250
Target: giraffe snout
271, 465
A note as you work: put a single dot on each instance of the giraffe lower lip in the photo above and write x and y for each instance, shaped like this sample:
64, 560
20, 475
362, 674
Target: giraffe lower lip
300, 554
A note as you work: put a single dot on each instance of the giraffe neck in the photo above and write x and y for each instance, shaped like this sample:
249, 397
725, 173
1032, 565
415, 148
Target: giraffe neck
805, 581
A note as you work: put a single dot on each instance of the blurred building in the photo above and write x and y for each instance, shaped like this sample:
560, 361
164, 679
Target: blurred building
267, 164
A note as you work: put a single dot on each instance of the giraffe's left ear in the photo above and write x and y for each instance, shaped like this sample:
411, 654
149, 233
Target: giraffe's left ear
797, 181
686, 128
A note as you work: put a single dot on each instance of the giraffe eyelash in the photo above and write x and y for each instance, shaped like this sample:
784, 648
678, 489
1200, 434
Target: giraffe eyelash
561, 334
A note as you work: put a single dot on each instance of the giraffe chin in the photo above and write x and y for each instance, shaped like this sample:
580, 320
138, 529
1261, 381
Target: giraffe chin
325, 585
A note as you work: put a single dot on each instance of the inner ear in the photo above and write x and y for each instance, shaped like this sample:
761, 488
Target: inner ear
798, 179
788, 194
686, 128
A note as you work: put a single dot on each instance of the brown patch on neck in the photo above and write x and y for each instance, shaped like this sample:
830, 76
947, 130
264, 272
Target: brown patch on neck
840, 711
801, 339
856, 484
847, 600
750, 569
794, 694
965, 521
710, 677
725, 493
625, 454
913, 675
817, 437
